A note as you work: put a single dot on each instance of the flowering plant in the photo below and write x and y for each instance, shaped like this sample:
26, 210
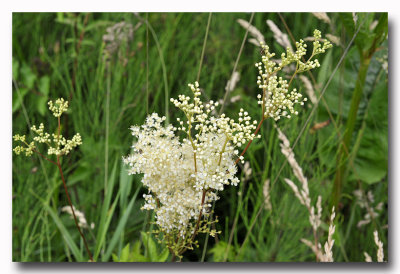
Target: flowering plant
183, 177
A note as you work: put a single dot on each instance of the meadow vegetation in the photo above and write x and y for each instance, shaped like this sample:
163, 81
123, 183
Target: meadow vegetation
311, 188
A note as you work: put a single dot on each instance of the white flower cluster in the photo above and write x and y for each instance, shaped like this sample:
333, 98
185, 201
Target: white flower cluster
275, 98
182, 176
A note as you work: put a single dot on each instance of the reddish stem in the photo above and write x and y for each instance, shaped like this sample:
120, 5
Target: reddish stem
250, 141
44, 157
200, 214
72, 208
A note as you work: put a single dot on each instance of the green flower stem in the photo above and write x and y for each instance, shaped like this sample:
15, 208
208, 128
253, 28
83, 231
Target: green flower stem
351, 120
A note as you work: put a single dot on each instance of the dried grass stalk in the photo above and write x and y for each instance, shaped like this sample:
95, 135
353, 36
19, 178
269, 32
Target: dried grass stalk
368, 258
231, 84
322, 16
309, 89
379, 244
333, 38
258, 37
280, 37
266, 192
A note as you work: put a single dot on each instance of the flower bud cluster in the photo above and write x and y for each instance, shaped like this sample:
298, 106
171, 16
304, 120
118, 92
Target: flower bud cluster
58, 145
58, 107
28, 148
64, 146
275, 98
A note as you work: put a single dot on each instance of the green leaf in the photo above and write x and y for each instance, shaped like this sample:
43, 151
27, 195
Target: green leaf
44, 88
348, 22
163, 256
130, 256
28, 77
150, 246
136, 253
115, 258
365, 36
64, 232
17, 98
125, 184
219, 251
120, 227
371, 163
44, 85
325, 70
381, 30
125, 254
80, 174
106, 212
15, 69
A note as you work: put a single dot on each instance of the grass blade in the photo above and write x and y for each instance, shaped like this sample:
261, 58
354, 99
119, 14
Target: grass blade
106, 213
64, 232
120, 228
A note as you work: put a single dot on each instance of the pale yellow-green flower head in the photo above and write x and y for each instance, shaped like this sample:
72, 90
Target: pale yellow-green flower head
58, 107
57, 144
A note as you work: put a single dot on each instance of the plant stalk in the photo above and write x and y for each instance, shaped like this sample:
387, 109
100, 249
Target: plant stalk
72, 208
351, 121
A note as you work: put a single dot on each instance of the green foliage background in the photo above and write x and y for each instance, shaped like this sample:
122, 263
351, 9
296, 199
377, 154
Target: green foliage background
61, 55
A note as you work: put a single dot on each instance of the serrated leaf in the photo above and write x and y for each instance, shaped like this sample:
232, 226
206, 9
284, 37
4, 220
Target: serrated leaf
28, 78
125, 254
115, 258
150, 246
219, 252
163, 256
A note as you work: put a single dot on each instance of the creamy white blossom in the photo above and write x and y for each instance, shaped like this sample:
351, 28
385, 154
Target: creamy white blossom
178, 173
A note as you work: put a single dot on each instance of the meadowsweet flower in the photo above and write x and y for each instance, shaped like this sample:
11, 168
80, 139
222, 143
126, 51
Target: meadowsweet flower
58, 107
276, 99
183, 176
57, 144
